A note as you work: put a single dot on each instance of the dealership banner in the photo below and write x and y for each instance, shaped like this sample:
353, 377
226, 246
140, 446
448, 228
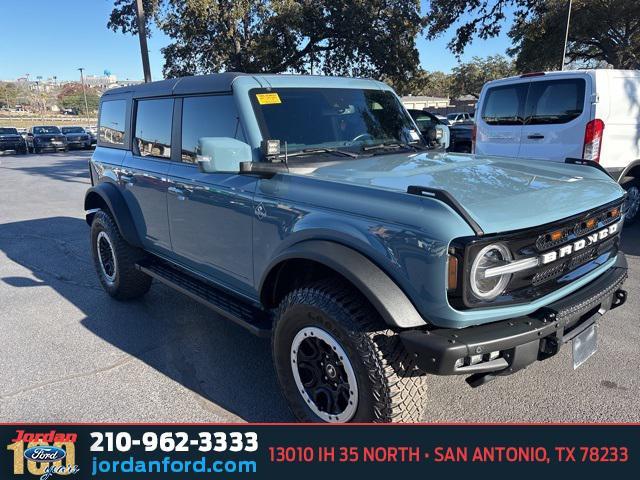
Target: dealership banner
158, 451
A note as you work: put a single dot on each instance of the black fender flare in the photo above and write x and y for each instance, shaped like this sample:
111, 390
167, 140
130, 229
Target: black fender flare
107, 194
379, 289
627, 169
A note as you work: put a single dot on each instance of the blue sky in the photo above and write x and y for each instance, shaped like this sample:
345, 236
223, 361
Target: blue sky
40, 40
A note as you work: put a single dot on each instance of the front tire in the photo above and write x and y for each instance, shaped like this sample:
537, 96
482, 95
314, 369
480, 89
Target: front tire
115, 260
633, 200
337, 361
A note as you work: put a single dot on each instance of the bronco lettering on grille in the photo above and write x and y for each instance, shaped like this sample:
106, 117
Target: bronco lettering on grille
578, 245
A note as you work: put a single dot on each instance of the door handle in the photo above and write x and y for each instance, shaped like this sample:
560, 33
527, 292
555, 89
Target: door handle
535, 136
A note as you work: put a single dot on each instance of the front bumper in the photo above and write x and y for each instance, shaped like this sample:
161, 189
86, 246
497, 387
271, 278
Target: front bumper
519, 341
51, 145
15, 146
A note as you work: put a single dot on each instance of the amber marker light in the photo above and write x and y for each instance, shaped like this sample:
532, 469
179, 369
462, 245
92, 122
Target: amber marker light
452, 278
557, 235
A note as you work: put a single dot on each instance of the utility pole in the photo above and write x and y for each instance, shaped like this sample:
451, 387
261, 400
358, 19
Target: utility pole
142, 35
566, 37
84, 92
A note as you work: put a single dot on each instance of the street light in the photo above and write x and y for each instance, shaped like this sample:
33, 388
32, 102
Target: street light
142, 35
84, 92
566, 37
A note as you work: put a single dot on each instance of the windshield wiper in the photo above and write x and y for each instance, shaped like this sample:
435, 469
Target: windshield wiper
393, 145
309, 151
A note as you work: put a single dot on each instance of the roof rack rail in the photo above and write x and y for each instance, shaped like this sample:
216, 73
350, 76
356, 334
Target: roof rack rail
588, 163
448, 199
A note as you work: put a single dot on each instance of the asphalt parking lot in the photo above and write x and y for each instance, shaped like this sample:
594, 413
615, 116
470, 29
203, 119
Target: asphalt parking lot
70, 353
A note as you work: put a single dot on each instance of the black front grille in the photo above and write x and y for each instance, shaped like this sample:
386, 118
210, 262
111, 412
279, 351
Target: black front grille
531, 284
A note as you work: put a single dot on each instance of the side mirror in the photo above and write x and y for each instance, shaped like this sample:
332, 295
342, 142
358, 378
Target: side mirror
222, 154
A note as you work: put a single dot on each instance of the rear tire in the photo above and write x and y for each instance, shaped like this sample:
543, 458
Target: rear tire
345, 331
115, 260
633, 200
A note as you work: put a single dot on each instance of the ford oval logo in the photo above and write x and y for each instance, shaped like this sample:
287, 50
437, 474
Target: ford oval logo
44, 454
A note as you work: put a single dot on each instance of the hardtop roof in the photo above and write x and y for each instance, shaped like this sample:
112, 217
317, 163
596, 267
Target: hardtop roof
217, 82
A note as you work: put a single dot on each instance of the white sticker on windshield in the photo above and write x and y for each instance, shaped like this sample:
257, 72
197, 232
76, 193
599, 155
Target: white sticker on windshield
414, 135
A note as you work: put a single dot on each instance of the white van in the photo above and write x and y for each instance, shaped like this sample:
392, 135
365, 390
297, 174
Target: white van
587, 114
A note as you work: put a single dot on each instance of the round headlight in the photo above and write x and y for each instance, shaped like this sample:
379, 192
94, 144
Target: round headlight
488, 288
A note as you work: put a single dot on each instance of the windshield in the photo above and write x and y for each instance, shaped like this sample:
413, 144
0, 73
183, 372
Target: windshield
40, 130
8, 131
72, 130
347, 118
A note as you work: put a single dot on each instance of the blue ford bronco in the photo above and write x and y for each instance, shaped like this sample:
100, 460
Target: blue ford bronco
308, 209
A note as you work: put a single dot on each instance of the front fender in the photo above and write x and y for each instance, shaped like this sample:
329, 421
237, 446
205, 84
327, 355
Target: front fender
380, 290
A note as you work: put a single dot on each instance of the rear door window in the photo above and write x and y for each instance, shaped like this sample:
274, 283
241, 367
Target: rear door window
153, 128
554, 101
112, 122
504, 105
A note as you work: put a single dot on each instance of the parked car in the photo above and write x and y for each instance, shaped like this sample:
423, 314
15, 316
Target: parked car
77, 137
459, 117
585, 114
309, 210
11, 141
92, 131
462, 137
435, 132
46, 137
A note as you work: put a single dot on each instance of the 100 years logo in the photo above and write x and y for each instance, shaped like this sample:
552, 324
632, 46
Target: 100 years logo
45, 453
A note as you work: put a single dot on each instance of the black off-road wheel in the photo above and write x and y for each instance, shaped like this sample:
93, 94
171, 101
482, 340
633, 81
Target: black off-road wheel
632, 186
338, 362
115, 260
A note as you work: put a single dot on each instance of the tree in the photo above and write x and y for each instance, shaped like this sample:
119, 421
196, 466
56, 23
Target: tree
601, 31
9, 94
468, 78
72, 96
483, 19
433, 84
346, 37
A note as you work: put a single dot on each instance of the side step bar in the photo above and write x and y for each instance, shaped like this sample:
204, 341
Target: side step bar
254, 319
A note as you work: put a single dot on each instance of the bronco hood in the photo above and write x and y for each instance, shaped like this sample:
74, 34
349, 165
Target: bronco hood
501, 194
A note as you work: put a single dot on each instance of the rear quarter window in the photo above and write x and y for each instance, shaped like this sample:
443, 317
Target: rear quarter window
112, 122
504, 105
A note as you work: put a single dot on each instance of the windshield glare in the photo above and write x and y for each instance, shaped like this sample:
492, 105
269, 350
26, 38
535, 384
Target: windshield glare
309, 118
40, 130
8, 131
72, 130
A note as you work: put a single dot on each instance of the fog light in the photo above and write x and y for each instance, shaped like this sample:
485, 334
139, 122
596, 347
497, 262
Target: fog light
459, 363
494, 355
473, 359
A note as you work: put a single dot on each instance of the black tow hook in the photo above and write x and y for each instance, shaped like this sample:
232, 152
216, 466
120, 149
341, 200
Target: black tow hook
619, 298
478, 379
